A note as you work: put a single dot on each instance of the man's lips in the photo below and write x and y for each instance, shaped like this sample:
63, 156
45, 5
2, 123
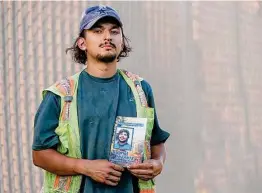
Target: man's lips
107, 46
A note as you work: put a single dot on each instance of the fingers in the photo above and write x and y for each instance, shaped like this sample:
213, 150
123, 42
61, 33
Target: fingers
115, 173
145, 177
111, 183
141, 172
117, 168
113, 178
141, 166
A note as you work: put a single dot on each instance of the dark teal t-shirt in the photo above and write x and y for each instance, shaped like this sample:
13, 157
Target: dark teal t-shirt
99, 101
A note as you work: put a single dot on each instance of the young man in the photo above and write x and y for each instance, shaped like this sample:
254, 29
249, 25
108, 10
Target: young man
122, 140
74, 124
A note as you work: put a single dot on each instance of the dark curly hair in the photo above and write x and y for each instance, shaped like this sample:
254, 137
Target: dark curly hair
79, 56
123, 131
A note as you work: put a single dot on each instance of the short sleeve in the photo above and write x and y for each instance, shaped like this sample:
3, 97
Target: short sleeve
45, 122
158, 134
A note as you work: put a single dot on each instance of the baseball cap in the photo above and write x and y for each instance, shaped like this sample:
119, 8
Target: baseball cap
92, 14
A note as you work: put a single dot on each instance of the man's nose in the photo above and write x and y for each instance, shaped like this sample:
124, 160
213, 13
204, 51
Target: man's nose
107, 35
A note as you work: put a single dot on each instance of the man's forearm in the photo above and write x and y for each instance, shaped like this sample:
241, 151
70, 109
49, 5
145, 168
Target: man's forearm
158, 152
54, 162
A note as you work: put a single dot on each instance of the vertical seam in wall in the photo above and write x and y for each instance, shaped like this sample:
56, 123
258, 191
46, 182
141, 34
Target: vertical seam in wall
17, 97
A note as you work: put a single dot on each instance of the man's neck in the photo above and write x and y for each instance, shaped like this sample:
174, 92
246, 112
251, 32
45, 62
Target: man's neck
122, 143
100, 69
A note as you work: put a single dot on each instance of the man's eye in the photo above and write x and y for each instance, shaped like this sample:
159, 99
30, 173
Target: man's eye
98, 31
115, 32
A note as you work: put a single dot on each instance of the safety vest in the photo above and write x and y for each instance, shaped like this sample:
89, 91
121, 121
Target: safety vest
68, 131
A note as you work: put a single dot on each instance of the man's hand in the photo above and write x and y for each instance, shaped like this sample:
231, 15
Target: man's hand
101, 171
147, 170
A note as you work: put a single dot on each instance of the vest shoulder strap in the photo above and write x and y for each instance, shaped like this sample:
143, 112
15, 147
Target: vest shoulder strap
66, 89
134, 81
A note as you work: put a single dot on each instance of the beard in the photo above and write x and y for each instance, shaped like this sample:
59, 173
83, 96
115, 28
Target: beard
106, 58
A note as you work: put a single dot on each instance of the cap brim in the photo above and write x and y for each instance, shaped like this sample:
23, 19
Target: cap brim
92, 23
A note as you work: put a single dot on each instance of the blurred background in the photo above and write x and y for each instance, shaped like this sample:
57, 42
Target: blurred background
203, 60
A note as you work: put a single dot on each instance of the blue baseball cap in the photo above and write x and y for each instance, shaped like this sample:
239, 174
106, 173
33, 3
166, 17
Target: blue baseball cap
92, 14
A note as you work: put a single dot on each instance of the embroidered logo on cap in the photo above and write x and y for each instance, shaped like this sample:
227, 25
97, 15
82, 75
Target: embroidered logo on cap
102, 9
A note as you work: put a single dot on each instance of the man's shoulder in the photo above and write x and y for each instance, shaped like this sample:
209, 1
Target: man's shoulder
137, 76
132, 75
65, 85
146, 86
144, 82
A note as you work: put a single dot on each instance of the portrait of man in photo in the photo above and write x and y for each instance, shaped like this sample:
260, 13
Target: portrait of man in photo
122, 139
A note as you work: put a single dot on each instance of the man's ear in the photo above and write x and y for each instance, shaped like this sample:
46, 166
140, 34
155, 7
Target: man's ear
81, 43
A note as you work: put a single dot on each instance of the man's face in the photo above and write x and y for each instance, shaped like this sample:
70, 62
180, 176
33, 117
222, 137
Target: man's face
104, 41
123, 137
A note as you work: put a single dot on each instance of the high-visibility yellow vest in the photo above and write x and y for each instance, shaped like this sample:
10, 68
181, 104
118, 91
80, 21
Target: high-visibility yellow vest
68, 131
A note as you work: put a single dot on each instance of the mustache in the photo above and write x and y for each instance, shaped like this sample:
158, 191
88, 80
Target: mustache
105, 44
